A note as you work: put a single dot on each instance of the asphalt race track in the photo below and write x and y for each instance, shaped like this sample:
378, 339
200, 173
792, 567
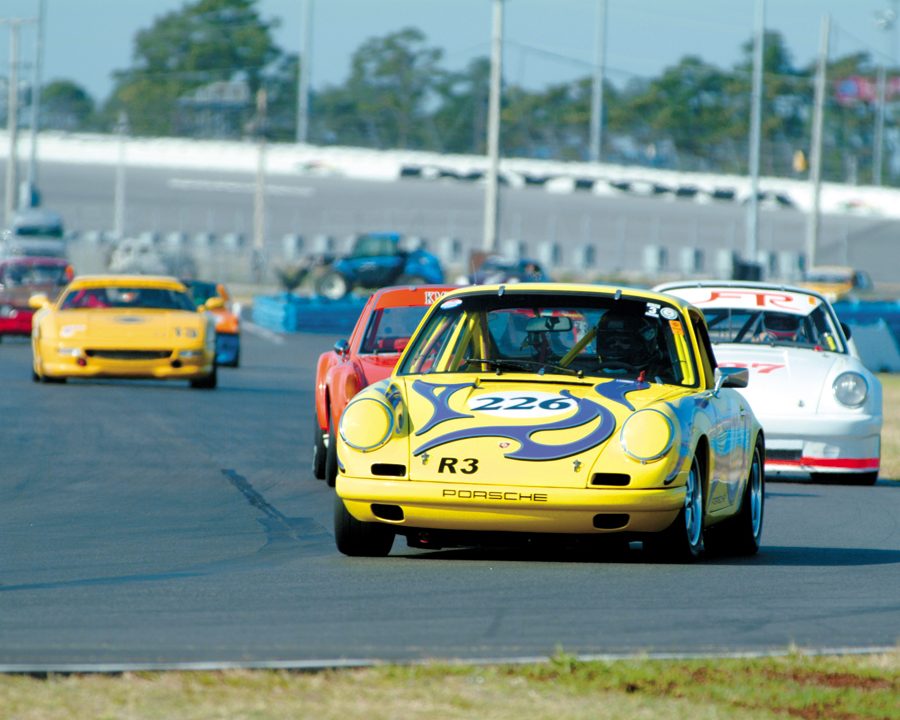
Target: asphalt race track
150, 525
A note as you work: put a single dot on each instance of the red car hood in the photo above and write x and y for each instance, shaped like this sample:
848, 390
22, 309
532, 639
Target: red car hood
377, 367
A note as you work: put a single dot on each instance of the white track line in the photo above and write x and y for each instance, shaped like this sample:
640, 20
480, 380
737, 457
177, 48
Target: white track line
237, 187
262, 332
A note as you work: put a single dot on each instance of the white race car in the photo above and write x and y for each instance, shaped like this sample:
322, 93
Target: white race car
820, 407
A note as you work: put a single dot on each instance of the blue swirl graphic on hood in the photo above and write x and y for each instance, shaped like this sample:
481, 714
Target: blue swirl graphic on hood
529, 449
616, 390
440, 404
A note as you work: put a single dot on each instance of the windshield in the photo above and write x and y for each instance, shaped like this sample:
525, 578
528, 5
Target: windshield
566, 334
390, 328
202, 291
375, 245
815, 330
127, 297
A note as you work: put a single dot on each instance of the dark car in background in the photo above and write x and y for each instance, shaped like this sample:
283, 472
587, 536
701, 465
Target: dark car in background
497, 269
378, 260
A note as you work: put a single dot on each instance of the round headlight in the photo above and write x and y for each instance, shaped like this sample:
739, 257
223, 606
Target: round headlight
647, 435
366, 424
850, 389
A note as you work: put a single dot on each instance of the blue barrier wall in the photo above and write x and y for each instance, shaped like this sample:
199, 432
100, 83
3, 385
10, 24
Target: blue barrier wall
869, 312
292, 313
875, 324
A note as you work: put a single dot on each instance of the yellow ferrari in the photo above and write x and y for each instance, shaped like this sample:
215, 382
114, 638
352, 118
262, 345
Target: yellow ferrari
124, 326
576, 411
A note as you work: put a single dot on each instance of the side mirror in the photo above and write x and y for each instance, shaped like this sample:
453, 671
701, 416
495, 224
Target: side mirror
733, 377
38, 301
342, 347
846, 328
214, 303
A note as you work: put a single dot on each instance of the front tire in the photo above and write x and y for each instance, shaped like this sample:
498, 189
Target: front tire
360, 539
209, 382
319, 450
742, 534
683, 541
331, 464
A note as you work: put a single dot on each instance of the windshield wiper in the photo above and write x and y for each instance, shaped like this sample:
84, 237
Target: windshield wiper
507, 364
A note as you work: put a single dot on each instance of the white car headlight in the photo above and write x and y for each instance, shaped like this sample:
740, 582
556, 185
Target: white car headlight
647, 435
850, 389
7, 311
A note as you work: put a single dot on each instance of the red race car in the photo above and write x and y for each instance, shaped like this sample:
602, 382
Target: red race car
22, 277
384, 327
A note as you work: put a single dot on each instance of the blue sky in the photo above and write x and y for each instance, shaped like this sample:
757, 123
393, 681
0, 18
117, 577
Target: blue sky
546, 40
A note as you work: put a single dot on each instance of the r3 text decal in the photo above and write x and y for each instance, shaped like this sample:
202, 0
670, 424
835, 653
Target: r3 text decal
449, 464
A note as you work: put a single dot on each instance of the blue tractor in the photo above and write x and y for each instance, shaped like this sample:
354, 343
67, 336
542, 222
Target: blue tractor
378, 260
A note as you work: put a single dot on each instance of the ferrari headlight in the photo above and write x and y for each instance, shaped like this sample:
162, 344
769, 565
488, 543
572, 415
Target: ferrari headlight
7, 311
850, 389
647, 435
366, 424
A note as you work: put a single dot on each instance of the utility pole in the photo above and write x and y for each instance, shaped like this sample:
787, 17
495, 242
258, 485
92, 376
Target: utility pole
752, 244
12, 120
119, 197
597, 90
885, 20
36, 80
304, 58
259, 201
815, 164
491, 192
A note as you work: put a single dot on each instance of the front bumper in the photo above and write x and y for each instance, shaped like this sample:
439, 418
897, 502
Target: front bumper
173, 366
508, 508
823, 443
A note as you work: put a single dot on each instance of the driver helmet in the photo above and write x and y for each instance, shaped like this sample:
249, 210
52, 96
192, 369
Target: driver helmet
781, 326
626, 337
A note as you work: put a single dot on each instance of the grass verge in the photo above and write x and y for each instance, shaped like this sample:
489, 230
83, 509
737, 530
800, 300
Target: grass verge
793, 686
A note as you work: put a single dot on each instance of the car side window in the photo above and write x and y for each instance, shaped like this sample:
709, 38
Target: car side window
707, 354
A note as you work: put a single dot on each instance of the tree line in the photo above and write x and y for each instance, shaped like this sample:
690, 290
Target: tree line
196, 73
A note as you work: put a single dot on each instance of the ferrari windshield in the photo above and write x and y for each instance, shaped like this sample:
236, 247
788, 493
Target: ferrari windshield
390, 328
815, 330
124, 297
571, 334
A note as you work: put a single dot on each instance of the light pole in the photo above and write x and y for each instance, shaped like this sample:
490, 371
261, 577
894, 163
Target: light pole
815, 161
752, 245
597, 89
119, 198
36, 102
884, 20
304, 58
12, 121
259, 200
491, 199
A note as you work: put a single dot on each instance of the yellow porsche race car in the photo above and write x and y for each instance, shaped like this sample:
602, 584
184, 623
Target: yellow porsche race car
124, 326
575, 411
